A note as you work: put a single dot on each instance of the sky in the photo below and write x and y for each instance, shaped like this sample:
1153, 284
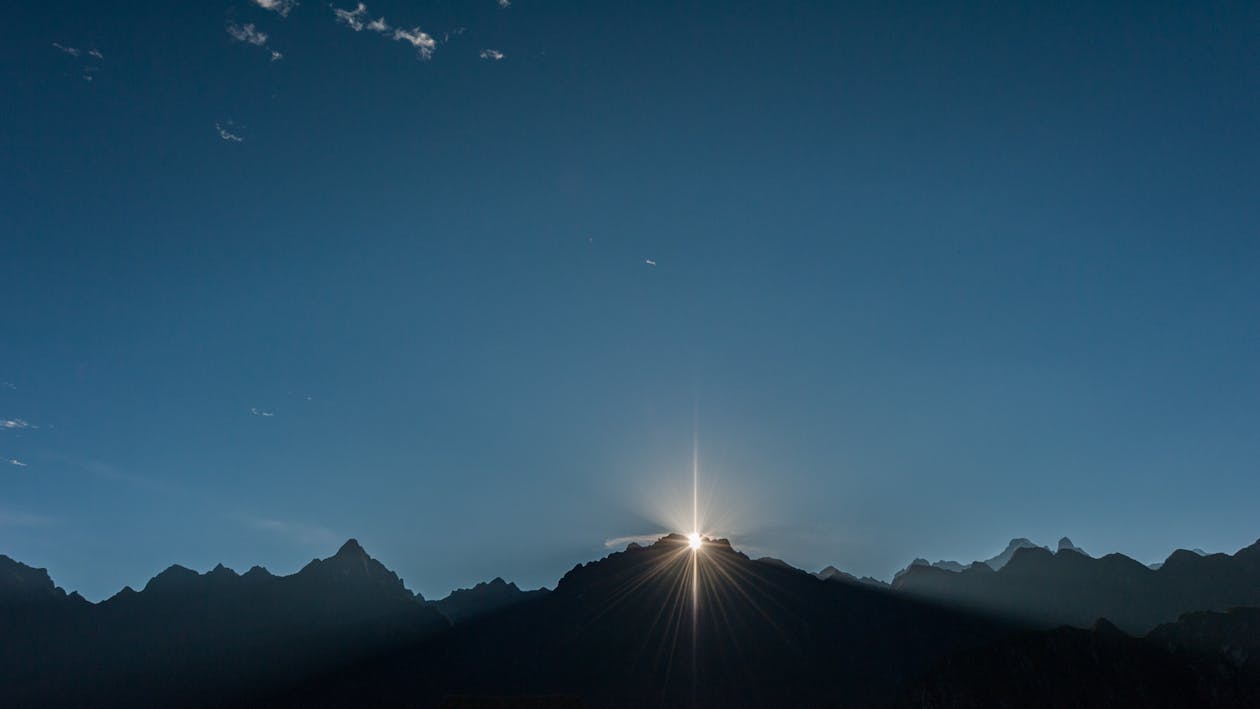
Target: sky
471, 282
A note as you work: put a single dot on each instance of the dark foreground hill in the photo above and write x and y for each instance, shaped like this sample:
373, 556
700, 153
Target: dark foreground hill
1202, 660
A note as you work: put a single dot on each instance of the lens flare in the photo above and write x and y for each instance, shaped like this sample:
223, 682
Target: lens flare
693, 540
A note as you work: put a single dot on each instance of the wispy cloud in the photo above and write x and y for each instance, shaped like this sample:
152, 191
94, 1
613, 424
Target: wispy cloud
68, 50
16, 424
267, 413
353, 18
643, 539
247, 33
505, 3
356, 20
420, 40
492, 54
18, 463
312, 534
226, 134
276, 56
281, 7
16, 518
96, 53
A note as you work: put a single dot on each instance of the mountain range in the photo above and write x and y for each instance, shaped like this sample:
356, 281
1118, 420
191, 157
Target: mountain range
656, 624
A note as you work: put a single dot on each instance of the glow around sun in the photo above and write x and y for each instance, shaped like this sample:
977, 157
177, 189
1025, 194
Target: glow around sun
693, 540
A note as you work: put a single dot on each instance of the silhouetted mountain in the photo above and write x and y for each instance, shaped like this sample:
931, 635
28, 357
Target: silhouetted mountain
620, 632
994, 563
198, 638
1066, 544
831, 573
21, 585
484, 598
1071, 588
651, 625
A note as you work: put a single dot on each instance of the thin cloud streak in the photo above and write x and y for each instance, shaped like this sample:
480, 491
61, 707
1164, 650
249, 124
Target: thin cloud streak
68, 50
310, 534
18, 463
16, 518
643, 539
492, 54
16, 424
247, 33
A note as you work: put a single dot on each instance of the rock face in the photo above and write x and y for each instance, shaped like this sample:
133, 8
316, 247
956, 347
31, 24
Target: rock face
1071, 588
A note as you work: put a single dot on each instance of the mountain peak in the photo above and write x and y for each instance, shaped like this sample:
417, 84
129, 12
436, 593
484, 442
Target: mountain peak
351, 548
1066, 544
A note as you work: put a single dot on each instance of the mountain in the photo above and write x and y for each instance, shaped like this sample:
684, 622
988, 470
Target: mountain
652, 625
1066, 544
22, 585
484, 598
620, 632
831, 573
190, 637
1068, 587
994, 563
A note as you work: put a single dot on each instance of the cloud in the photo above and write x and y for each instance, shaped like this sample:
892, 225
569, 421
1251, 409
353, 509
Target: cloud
226, 134
247, 33
505, 3
17, 424
18, 463
68, 50
96, 53
353, 18
311, 534
649, 262
281, 7
276, 56
642, 539
16, 518
492, 54
420, 40
268, 413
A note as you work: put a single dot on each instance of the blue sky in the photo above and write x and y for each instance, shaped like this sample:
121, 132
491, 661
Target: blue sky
926, 279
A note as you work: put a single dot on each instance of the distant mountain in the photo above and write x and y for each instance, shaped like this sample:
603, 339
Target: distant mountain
204, 637
994, 563
1068, 587
831, 573
484, 598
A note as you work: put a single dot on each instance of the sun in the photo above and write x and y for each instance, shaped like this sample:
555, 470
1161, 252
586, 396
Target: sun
693, 540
